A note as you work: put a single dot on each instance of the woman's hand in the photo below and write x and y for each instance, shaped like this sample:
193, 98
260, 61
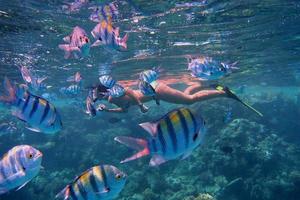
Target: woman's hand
143, 108
101, 107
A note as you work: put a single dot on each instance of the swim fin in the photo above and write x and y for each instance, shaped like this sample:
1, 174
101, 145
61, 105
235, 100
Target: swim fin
232, 95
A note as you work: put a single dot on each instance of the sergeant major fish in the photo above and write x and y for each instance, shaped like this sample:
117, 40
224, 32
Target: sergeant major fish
209, 69
174, 135
98, 182
18, 166
41, 115
70, 90
107, 12
78, 43
105, 34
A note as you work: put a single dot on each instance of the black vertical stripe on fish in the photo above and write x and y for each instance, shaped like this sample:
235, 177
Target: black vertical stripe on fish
2, 171
20, 160
171, 133
161, 139
185, 128
102, 170
81, 189
12, 163
34, 106
26, 102
103, 13
72, 193
93, 182
154, 146
46, 111
106, 33
194, 121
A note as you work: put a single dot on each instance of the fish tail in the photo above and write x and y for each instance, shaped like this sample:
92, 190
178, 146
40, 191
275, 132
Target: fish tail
65, 193
139, 144
11, 92
66, 49
124, 40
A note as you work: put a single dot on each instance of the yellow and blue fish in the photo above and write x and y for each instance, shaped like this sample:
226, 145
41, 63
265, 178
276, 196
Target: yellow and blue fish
174, 135
108, 36
98, 182
39, 113
18, 166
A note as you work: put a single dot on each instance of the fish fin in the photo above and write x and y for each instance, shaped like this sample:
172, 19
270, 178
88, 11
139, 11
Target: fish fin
96, 43
3, 190
22, 186
105, 190
157, 160
187, 154
36, 130
134, 143
65, 193
150, 128
68, 49
19, 115
124, 41
13, 177
67, 39
39, 80
11, 91
26, 75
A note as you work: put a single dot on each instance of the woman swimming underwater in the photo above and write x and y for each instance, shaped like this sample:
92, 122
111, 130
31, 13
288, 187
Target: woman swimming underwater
150, 88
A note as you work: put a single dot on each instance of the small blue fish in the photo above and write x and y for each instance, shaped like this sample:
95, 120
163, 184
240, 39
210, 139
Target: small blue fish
174, 135
41, 115
116, 91
108, 36
98, 182
71, 90
34, 82
107, 12
208, 69
18, 166
77, 78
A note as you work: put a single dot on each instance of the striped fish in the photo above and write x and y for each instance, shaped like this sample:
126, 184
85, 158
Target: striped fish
209, 69
77, 42
18, 166
71, 90
108, 36
174, 135
40, 114
98, 182
106, 12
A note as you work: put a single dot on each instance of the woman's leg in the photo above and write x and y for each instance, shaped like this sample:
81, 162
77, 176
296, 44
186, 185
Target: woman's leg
171, 95
192, 88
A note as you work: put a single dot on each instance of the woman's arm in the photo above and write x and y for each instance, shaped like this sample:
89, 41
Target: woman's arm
103, 108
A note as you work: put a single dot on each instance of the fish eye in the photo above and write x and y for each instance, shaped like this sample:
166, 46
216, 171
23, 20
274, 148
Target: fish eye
118, 176
30, 156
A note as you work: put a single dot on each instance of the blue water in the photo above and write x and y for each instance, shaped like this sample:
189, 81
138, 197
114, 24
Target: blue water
243, 156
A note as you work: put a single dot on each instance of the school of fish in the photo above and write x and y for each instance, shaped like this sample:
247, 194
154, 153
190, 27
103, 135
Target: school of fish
174, 135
